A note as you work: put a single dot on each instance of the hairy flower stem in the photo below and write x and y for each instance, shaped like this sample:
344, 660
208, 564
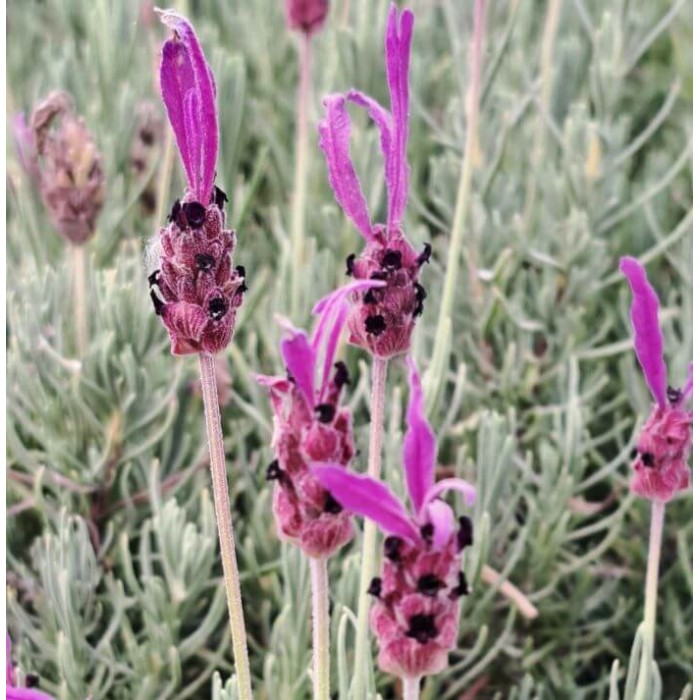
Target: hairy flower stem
301, 166
650, 599
411, 688
321, 628
454, 256
222, 507
369, 537
79, 298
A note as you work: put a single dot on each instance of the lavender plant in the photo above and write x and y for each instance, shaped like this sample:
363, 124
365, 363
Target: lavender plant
584, 124
200, 290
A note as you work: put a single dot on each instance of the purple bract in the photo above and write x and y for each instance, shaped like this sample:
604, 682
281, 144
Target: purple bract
380, 321
660, 466
416, 615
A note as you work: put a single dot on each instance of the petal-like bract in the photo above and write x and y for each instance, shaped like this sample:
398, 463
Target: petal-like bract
334, 133
398, 52
648, 341
368, 497
419, 445
189, 94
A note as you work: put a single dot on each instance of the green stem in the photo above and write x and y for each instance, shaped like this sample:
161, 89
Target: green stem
548, 36
454, 256
222, 508
411, 688
321, 628
650, 599
300, 170
369, 537
79, 297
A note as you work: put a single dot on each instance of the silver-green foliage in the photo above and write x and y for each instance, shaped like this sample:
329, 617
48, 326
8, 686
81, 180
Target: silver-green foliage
114, 585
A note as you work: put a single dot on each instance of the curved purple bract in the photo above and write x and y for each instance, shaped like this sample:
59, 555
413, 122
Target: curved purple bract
419, 445
398, 53
648, 341
300, 360
368, 497
335, 128
189, 93
334, 140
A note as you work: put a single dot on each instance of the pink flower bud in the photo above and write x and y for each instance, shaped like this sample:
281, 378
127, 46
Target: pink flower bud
307, 16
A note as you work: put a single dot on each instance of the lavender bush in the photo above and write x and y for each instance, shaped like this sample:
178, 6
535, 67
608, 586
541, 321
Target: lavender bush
549, 146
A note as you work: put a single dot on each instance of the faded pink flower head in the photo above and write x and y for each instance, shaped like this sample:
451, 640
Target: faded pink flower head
310, 426
71, 177
29, 692
660, 466
381, 321
195, 290
307, 16
416, 614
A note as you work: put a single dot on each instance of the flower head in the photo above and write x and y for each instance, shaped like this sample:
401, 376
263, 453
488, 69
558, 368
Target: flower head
311, 426
307, 16
13, 692
380, 321
660, 466
195, 288
415, 617
71, 178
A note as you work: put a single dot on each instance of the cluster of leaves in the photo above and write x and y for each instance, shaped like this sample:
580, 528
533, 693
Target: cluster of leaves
114, 587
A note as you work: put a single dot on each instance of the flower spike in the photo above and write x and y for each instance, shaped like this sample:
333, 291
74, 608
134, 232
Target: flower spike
189, 94
383, 322
648, 341
312, 426
416, 614
660, 465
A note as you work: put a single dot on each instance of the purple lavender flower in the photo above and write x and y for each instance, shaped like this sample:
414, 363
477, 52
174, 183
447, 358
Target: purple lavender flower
310, 426
307, 16
660, 466
71, 177
195, 291
13, 692
380, 321
416, 614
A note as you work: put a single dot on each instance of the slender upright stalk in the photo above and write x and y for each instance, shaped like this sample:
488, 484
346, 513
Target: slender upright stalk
79, 298
301, 166
650, 598
454, 255
411, 688
369, 538
548, 36
321, 628
222, 508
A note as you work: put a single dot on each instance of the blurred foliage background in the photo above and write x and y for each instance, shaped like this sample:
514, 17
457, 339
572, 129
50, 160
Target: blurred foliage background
114, 587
